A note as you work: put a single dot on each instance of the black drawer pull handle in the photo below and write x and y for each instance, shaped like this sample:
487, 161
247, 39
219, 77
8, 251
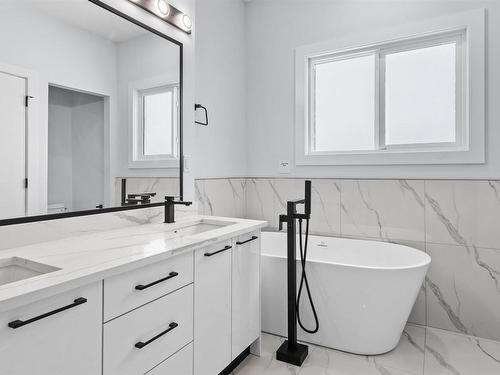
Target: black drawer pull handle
170, 276
19, 323
244, 242
217, 252
141, 344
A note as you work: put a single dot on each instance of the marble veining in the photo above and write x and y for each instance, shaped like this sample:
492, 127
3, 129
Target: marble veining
448, 353
387, 210
421, 351
463, 290
162, 186
463, 213
221, 197
456, 221
91, 257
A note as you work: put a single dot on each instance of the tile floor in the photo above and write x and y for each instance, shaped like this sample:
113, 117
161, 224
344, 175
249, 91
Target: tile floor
421, 351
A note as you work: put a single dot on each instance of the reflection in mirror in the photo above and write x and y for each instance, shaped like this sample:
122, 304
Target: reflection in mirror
89, 110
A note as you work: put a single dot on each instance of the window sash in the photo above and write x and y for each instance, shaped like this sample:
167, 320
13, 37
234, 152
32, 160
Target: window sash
380, 52
140, 129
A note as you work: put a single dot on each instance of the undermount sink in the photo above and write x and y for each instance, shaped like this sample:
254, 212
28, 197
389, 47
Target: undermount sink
201, 227
16, 269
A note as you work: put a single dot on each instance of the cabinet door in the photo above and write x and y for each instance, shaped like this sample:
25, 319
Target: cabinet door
245, 292
212, 323
66, 342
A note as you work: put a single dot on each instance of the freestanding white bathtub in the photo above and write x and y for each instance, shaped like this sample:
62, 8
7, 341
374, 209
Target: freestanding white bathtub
363, 291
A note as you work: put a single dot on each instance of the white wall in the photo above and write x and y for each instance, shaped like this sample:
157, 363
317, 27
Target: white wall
142, 58
276, 27
221, 87
187, 6
54, 51
75, 150
60, 150
88, 147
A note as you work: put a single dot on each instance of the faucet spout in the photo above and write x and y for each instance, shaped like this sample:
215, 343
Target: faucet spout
170, 203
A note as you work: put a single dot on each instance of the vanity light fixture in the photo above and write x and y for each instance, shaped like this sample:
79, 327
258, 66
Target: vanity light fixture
168, 13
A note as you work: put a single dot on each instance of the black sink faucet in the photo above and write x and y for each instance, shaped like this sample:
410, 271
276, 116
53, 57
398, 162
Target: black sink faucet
170, 203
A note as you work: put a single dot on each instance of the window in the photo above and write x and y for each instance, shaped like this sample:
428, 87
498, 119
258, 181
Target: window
158, 122
393, 96
341, 86
155, 126
405, 95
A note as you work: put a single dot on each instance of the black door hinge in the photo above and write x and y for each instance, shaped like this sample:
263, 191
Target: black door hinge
25, 183
27, 100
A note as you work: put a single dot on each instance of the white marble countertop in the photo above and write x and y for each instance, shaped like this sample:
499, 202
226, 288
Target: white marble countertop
88, 258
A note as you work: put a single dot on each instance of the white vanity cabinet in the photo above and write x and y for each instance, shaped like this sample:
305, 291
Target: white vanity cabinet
141, 339
245, 292
227, 302
129, 290
191, 313
148, 316
59, 335
212, 323
181, 363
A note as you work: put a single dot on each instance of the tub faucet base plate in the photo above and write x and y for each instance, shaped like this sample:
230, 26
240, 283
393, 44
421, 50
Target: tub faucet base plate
295, 356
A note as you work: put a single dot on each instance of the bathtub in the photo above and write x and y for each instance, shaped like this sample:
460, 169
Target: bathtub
363, 291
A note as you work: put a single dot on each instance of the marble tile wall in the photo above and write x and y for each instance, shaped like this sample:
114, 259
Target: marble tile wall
456, 222
162, 186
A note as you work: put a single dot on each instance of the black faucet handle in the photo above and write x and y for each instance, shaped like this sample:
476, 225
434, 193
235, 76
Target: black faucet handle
282, 219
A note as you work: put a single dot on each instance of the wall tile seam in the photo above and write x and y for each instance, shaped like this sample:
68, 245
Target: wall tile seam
496, 179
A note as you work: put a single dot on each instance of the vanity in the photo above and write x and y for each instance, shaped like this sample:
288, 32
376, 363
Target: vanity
154, 299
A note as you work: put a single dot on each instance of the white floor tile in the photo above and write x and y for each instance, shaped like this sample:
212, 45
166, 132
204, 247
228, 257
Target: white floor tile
421, 351
449, 353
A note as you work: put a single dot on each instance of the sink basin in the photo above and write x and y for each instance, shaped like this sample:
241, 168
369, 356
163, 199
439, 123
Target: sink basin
201, 227
15, 269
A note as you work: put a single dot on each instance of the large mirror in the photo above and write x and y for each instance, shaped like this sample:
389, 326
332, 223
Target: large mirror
90, 110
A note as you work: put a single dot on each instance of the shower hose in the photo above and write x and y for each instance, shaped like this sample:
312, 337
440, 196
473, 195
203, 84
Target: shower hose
304, 281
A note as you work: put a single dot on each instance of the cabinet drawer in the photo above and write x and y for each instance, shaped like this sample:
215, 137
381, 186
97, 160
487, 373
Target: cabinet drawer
57, 335
130, 290
138, 341
181, 363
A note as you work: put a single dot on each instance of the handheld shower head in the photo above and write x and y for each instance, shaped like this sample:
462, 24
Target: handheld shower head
307, 199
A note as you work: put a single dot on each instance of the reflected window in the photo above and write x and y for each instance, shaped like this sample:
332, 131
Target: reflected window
157, 124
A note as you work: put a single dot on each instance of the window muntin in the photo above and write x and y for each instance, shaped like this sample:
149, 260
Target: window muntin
418, 98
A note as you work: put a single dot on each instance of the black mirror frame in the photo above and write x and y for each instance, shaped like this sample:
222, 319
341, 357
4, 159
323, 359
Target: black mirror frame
31, 219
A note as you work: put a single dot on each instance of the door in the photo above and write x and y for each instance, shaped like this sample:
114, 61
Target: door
245, 292
212, 316
12, 146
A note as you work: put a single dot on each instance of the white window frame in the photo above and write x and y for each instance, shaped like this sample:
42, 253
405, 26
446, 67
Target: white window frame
174, 89
137, 91
467, 29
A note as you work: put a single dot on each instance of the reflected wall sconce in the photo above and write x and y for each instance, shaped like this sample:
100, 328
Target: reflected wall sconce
168, 13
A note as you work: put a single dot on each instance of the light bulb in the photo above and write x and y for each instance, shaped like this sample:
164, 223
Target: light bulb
187, 22
163, 7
